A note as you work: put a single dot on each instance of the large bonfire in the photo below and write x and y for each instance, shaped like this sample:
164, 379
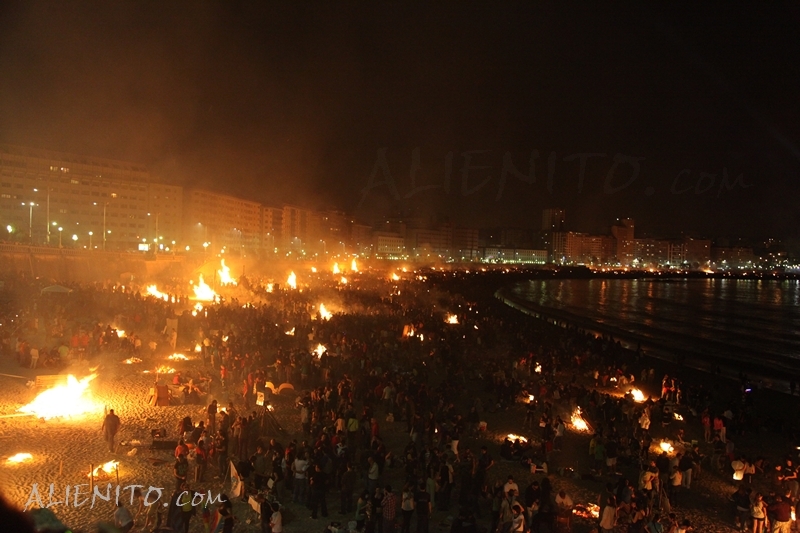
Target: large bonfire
203, 292
69, 400
225, 274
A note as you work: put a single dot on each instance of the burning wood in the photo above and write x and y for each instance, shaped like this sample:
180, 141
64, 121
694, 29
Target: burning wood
666, 446
676, 416
324, 313
20, 458
178, 357
132, 361
270, 408
336, 268
515, 438
203, 292
70, 400
353, 266
152, 290
590, 511
319, 350
638, 395
578, 423
225, 274
292, 281
290, 332
105, 470
163, 369
452, 319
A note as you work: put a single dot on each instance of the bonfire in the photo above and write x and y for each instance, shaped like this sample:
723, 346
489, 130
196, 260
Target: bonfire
590, 511
132, 361
163, 369
198, 348
353, 266
324, 313
515, 438
319, 350
292, 281
152, 290
20, 458
225, 274
666, 446
395, 277
452, 319
104, 470
343, 280
638, 395
178, 357
203, 292
68, 400
336, 268
578, 423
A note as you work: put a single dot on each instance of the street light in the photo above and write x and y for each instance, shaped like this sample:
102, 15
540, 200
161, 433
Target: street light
30, 221
60, 230
74, 238
90, 239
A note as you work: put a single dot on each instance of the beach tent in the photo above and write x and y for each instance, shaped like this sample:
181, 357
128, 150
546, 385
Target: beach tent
56, 289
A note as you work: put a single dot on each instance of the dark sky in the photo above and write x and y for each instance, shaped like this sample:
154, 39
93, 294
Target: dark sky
286, 102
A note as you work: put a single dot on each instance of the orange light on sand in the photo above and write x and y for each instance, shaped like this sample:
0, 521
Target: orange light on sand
452, 319
290, 332
72, 399
336, 268
514, 438
152, 290
132, 361
324, 313
343, 281
578, 423
292, 280
104, 470
20, 458
178, 357
638, 395
203, 292
353, 266
163, 369
319, 350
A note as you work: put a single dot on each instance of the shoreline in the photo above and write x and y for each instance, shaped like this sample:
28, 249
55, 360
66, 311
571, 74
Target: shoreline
708, 364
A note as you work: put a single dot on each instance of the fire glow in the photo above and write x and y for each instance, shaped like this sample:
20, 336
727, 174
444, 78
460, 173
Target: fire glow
324, 313
132, 361
353, 266
666, 447
104, 470
291, 281
20, 458
178, 357
452, 319
638, 395
198, 348
290, 332
203, 292
225, 274
395, 277
163, 369
319, 350
343, 281
67, 400
515, 438
336, 268
590, 511
677, 416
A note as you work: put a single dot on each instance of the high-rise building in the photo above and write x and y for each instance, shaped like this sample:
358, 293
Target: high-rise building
223, 221
623, 232
553, 219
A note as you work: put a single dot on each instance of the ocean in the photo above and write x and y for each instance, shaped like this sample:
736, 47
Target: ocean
753, 321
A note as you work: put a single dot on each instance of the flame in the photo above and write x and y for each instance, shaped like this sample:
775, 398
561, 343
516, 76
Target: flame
106, 469
324, 313
336, 268
121, 333
132, 361
638, 396
343, 281
152, 290
198, 348
538, 368
203, 292
589, 511
178, 357
530, 397
794, 516
198, 307
578, 422
514, 438
395, 277
270, 408
353, 265
270, 287
666, 446
63, 400
319, 350
314, 270
20, 458
163, 369
452, 319
290, 332
225, 274
292, 281
676, 416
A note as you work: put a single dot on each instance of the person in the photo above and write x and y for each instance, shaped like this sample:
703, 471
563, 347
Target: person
675, 482
122, 518
361, 510
319, 485
111, 425
211, 420
180, 470
300, 484
276, 519
407, 508
388, 510
187, 509
347, 485
373, 474
654, 525
782, 511
608, 515
518, 520
201, 461
758, 513
422, 504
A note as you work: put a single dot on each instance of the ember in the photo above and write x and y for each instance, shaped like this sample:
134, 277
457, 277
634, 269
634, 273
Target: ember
63, 400
290, 332
270, 287
292, 281
225, 274
638, 396
104, 470
203, 292
178, 357
578, 422
590, 511
132, 361
324, 313
20, 458
314, 270
676, 416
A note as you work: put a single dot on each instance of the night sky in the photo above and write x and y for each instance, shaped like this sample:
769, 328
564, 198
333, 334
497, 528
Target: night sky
291, 103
